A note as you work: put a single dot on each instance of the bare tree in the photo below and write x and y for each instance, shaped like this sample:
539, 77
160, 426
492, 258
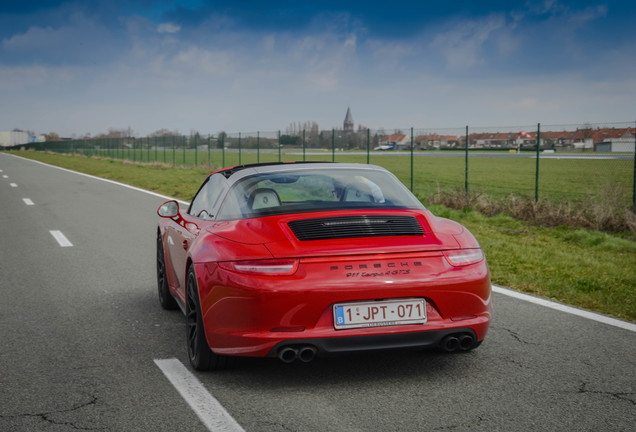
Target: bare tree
51, 136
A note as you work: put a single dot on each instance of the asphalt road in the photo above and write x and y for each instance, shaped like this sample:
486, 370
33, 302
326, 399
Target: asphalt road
81, 328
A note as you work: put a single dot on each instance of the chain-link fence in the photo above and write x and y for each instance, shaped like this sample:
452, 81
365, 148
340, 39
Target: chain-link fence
573, 163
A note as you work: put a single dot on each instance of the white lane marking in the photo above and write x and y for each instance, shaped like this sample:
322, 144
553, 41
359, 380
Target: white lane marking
61, 238
104, 180
13, 185
565, 308
5, 176
209, 410
27, 201
501, 290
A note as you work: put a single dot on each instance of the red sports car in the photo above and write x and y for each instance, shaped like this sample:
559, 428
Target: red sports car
294, 260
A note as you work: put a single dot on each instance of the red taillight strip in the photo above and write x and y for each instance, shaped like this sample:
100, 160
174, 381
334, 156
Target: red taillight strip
262, 267
463, 257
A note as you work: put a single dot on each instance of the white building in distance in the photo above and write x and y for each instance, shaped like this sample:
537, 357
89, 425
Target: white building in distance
17, 137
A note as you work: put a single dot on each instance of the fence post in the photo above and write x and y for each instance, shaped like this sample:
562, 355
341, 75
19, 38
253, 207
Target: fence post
333, 145
304, 145
196, 150
411, 159
536, 186
368, 145
466, 164
279, 146
258, 147
223, 149
634, 188
209, 151
239, 148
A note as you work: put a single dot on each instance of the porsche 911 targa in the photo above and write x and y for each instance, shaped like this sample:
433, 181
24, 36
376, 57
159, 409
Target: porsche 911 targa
297, 260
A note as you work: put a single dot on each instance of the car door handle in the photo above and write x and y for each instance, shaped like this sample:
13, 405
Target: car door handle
185, 245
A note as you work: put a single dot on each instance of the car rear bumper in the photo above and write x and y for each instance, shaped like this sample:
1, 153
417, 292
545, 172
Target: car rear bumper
326, 341
351, 344
254, 316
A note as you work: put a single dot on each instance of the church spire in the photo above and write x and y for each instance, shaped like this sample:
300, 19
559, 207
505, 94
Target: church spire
348, 121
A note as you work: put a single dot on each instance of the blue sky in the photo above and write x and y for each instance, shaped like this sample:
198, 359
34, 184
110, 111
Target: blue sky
76, 67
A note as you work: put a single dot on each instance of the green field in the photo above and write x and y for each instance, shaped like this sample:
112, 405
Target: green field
574, 180
586, 268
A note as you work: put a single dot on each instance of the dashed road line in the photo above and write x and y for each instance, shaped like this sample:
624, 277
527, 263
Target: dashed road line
13, 184
28, 202
209, 410
61, 238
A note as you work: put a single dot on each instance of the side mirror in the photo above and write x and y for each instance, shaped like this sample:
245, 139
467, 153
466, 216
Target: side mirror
168, 209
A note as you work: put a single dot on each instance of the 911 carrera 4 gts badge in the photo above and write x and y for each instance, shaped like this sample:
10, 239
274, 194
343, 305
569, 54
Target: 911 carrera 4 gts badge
377, 269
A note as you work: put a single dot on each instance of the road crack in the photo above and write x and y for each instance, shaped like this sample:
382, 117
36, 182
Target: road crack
624, 396
515, 336
47, 415
468, 423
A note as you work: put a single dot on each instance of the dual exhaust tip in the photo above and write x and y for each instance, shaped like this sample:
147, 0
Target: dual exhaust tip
458, 342
304, 353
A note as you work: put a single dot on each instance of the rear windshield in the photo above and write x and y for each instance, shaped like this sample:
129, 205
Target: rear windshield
315, 190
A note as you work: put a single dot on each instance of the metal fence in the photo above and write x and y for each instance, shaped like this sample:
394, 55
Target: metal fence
576, 163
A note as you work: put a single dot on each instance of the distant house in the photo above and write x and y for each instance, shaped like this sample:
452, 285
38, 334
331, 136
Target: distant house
615, 140
498, 139
395, 142
601, 139
579, 139
437, 141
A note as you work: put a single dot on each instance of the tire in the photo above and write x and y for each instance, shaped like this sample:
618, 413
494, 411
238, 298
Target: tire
165, 298
201, 356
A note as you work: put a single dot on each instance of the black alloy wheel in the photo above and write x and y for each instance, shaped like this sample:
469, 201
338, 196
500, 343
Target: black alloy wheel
165, 298
199, 352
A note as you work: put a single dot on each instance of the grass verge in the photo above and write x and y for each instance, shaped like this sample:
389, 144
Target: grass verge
582, 267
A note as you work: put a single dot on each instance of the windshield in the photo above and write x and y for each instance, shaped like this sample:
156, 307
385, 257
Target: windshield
315, 190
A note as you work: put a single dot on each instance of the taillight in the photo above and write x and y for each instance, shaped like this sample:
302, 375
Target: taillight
463, 257
262, 267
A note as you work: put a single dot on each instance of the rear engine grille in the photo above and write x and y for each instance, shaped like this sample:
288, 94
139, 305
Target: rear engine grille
355, 226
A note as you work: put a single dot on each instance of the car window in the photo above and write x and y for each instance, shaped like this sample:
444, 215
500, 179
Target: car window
203, 202
314, 190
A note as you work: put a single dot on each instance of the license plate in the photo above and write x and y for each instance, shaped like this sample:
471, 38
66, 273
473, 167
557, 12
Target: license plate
379, 313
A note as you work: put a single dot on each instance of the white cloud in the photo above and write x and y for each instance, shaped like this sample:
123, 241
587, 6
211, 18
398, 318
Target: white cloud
588, 14
390, 51
320, 82
268, 43
462, 45
35, 78
168, 27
